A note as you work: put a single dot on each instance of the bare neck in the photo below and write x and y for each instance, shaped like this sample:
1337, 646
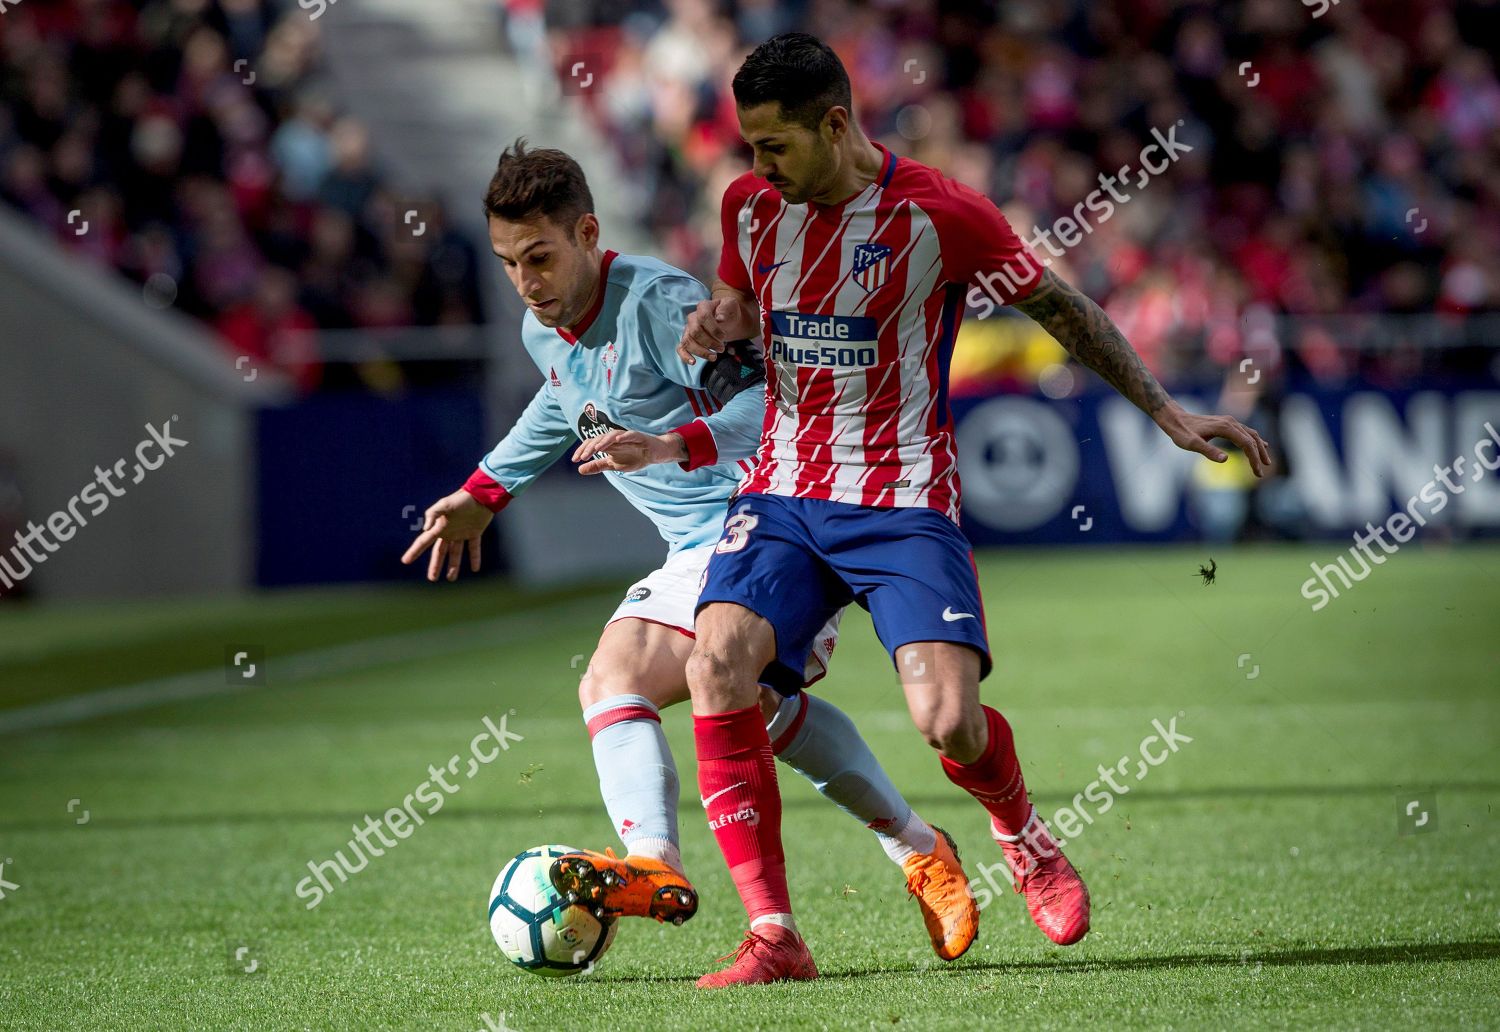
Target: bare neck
860, 162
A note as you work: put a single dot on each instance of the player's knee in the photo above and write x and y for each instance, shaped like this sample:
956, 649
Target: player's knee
949, 728
733, 645
708, 668
591, 688
715, 680
600, 683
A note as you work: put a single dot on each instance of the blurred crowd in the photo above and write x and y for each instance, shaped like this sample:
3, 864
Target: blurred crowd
194, 146
1345, 160
1345, 155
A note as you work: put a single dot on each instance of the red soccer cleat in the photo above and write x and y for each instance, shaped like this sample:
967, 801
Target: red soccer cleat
774, 954
1055, 894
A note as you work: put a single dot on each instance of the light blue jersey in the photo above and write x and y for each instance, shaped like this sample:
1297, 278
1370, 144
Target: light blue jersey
623, 371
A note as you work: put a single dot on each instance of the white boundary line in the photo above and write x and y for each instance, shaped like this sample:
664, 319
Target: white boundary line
303, 666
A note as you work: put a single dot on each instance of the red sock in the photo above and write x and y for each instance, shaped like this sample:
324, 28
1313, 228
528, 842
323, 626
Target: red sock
737, 777
995, 778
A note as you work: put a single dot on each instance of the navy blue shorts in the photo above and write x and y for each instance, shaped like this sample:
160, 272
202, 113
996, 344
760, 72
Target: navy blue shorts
797, 561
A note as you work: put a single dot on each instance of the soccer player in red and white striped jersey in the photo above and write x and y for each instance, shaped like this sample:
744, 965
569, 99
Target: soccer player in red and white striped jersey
854, 265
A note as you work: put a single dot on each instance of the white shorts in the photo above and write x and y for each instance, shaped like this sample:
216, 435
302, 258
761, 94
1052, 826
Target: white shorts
669, 596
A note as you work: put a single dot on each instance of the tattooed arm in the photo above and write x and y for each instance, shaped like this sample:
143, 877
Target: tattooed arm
1091, 336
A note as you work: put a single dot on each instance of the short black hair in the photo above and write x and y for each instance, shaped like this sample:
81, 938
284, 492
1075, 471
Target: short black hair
799, 72
545, 182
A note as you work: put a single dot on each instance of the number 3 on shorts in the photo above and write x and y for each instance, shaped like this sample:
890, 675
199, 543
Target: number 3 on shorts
737, 532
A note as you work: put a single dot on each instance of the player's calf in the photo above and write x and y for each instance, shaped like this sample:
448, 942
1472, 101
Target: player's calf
1056, 897
820, 742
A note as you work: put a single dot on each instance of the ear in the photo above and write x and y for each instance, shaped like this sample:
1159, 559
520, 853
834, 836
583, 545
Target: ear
586, 230
836, 123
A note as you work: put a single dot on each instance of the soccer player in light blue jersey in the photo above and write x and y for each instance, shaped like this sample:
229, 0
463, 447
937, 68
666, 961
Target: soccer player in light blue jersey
673, 438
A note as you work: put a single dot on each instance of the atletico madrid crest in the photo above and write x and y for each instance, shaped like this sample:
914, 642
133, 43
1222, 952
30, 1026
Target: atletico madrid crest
872, 266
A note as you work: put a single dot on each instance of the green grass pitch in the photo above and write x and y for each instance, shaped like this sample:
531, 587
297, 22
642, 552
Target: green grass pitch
1258, 877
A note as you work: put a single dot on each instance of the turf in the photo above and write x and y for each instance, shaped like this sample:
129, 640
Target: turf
1256, 877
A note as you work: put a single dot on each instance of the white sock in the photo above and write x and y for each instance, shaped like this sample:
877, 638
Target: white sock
829, 751
784, 920
914, 836
996, 834
637, 775
661, 849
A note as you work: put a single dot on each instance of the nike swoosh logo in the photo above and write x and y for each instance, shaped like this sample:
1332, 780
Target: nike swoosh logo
949, 615
766, 270
720, 792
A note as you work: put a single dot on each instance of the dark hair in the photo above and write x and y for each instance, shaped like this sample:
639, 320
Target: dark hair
798, 71
545, 182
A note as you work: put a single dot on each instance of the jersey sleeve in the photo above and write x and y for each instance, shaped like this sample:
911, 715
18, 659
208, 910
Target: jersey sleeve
538, 439
979, 245
733, 431
732, 269
729, 434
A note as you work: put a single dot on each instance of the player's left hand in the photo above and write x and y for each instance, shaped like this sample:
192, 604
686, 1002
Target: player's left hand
1193, 433
625, 451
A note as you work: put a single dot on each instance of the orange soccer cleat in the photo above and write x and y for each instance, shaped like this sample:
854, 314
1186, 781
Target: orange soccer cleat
1055, 895
937, 880
636, 886
772, 954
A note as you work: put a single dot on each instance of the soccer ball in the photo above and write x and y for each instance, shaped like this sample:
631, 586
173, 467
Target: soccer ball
535, 928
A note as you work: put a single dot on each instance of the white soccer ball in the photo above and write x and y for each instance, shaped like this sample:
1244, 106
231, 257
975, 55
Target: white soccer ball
533, 926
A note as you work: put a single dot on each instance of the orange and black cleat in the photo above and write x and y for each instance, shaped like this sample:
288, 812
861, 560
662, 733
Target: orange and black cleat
636, 886
938, 882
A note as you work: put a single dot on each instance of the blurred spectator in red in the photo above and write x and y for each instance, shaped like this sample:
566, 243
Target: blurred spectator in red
273, 331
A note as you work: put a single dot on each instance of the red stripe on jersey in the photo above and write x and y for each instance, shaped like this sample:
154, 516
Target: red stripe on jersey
822, 271
944, 479
766, 212
884, 383
693, 401
757, 479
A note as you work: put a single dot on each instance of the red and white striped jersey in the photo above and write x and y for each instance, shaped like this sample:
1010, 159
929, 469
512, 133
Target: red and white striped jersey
860, 303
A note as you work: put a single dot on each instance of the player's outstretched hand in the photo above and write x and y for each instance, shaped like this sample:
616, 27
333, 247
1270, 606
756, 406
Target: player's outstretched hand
1193, 433
626, 451
448, 526
710, 326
